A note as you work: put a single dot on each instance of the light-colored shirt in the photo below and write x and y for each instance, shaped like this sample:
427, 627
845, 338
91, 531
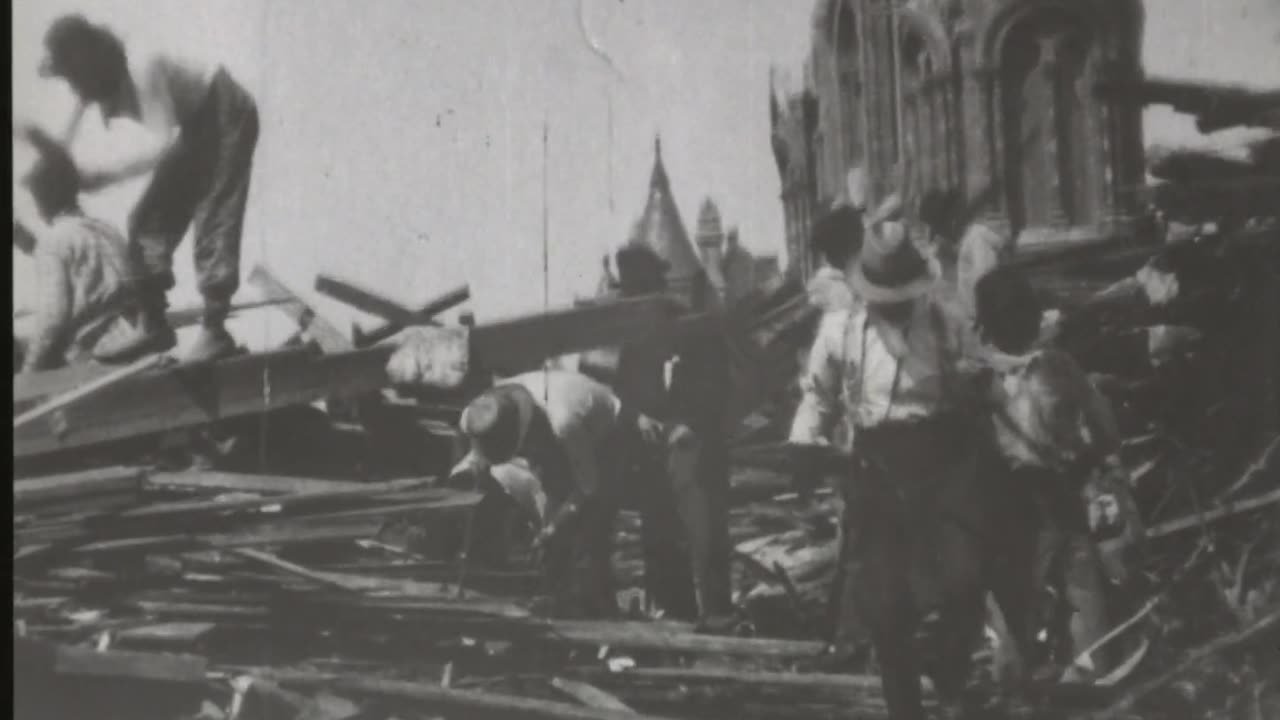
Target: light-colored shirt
85, 282
829, 290
981, 251
851, 369
584, 418
1046, 412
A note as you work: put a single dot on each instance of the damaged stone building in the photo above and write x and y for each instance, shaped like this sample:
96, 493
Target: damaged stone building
992, 100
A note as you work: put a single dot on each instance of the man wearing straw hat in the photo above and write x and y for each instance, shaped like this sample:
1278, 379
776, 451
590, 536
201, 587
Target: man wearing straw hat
897, 367
574, 435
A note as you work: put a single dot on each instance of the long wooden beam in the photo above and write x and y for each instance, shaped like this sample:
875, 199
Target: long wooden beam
193, 394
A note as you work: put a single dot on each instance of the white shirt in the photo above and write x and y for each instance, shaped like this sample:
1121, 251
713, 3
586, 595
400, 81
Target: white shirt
583, 415
851, 363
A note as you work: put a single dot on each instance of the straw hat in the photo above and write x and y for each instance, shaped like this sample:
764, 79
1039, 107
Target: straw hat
890, 268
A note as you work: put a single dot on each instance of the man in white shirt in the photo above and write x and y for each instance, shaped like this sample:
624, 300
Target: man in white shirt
202, 129
898, 368
575, 435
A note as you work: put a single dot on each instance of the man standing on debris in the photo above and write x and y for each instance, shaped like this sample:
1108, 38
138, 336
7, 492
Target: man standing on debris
574, 434
203, 129
898, 364
683, 489
85, 277
1057, 439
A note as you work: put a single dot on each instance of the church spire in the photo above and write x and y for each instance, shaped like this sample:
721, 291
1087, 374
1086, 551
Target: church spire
659, 177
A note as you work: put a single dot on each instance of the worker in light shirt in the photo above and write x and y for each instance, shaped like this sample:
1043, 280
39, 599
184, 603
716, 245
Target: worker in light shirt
898, 368
575, 436
1057, 441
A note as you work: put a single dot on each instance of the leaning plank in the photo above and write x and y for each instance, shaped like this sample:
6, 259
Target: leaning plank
364, 300
99, 481
462, 703
1226, 510
283, 565
328, 337
87, 390
193, 394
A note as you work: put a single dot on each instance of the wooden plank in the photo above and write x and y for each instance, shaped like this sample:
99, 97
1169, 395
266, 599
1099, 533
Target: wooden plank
313, 325
90, 662
327, 527
450, 701
99, 481
245, 482
176, 633
170, 510
87, 390
198, 393
518, 345
424, 314
589, 695
364, 300
1225, 510
276, 563
676, 638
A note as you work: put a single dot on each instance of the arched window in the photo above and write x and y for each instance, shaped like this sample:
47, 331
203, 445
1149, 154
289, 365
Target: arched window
1052, 146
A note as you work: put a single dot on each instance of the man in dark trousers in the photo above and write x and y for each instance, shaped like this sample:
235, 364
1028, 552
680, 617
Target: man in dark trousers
684, 384
202, 130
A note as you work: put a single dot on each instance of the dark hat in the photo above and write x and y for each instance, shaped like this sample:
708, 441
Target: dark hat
54, 179
495, 423
64, 37
838, 232
637, 260
890, 269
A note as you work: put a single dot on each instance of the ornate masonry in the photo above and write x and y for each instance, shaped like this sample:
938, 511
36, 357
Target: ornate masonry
992, 99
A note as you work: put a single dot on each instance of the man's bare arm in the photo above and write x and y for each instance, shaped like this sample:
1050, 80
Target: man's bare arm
140, 162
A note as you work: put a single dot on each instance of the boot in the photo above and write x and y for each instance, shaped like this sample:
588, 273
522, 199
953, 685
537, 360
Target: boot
152, 333
213, 342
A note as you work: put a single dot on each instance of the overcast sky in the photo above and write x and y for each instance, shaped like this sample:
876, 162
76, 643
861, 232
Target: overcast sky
402, 139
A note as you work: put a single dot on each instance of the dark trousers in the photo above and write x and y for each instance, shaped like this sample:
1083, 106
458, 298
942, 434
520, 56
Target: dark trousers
686, 532
1062, 559
579, 562
202, 183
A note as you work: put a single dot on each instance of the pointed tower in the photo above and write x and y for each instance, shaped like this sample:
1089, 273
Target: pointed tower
661, 228
710, 238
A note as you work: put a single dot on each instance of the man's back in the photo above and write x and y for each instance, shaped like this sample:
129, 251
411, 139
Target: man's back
85, 279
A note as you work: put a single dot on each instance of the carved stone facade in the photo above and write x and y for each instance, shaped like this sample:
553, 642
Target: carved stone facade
992, 99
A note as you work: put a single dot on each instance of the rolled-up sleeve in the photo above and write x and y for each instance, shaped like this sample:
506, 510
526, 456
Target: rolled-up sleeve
821, 383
